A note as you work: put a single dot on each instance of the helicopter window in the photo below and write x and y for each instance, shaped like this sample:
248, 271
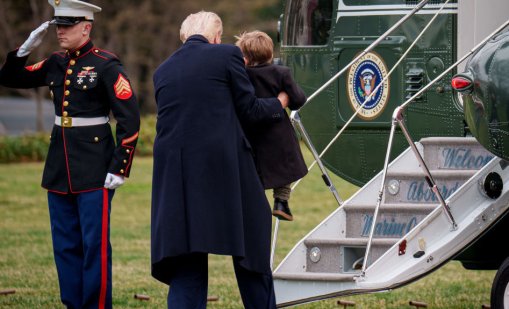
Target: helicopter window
308, 22
415, 2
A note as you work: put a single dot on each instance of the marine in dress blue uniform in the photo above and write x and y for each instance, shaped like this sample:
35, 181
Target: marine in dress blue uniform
83, 165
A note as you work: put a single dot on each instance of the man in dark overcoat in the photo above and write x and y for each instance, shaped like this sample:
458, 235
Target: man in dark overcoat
206, 196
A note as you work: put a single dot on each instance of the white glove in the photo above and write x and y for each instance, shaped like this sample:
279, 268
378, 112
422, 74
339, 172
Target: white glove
34, 40
113, 181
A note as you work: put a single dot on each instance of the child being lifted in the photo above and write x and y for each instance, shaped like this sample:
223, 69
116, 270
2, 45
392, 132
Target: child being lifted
276, 149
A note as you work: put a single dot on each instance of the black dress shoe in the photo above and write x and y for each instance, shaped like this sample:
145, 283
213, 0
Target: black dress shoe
282, 210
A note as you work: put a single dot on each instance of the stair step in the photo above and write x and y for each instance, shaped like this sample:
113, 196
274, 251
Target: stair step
393, 221
466, 173
411, 188
454, 153
343, 255
392, 207
350, 241
336, 277
451, 141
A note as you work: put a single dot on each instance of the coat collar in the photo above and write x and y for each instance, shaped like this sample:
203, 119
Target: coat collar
82, 50
197, 38
259, 66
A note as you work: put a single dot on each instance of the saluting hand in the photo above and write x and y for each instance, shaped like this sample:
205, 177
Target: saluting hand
34, 40
113, 181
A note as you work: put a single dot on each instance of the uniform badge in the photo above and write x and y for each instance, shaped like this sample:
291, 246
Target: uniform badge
363, 77
122, 88
86, 76
36, 66
57, 2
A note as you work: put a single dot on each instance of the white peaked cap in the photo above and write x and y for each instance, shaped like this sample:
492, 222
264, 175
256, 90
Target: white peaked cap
74, 8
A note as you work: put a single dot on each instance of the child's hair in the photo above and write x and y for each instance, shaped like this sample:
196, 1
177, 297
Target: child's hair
256, 46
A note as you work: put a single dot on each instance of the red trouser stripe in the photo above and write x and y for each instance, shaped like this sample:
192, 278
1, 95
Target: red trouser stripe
104, 250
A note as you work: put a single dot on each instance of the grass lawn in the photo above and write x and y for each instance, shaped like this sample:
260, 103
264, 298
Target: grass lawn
26, 258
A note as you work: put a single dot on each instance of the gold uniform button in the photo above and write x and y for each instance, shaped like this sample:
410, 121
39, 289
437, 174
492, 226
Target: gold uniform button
67, 92
96, 139
85, 87
66, 103
125, 161
72, 62
128, 151
67, 82
78, 53
96, 50
69, 72
121, 171
65, 114
51, 84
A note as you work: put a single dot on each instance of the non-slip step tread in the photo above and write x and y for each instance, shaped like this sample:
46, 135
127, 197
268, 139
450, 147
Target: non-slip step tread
406, 207
468, 141
439, 173
350, 241
305, 276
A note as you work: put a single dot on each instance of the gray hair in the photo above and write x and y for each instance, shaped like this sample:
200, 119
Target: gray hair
208, 24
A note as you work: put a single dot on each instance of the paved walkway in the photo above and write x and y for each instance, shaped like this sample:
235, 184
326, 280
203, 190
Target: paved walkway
17, 116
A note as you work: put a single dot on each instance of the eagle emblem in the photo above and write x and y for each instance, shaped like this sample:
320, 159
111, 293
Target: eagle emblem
367, 87
367, 83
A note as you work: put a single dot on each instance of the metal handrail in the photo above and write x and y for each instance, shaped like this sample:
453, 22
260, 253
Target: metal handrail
325, 176
397, 118
393, 130
295, 118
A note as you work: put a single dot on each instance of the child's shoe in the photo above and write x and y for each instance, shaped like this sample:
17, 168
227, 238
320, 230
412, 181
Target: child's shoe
282, 210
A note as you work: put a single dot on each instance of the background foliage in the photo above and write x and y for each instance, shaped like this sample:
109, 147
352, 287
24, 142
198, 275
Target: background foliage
141, 33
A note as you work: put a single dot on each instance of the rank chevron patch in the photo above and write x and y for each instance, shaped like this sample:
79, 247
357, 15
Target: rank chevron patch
122, 88
36, 66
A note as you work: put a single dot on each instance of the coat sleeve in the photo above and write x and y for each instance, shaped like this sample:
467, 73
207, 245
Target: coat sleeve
249, 108
125, 109
295, 93
14, 74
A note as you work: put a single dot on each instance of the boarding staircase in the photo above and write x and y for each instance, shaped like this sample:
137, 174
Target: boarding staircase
412, 235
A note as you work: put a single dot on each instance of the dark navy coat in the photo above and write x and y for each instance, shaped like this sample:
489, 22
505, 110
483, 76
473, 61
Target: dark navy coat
275, 145
206, 194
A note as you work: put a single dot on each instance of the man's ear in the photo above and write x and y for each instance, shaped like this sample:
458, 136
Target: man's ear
217, 38
88, 28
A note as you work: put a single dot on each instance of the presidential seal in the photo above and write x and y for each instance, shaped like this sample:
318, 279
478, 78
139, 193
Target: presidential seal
363, 78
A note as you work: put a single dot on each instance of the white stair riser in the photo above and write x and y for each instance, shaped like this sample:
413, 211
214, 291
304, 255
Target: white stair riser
334, 257
416, 190
388, 225
461, 157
